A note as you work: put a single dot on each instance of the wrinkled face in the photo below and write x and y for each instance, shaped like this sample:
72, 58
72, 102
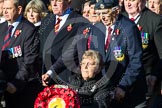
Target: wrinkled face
86, 11
89, 68
10, 11
133, 7
154, 5
1, 8
107, 16
33, 16
59, 6
93, 16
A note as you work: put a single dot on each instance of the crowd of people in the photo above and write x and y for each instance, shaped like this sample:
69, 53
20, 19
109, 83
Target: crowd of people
109, 51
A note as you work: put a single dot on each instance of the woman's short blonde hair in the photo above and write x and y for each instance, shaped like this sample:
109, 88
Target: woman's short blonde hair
37, 6
94, 55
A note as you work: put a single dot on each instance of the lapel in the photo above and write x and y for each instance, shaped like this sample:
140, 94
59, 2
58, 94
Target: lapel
15, 36
113, 40
82, 46
63, 30
50, 32
142, 19
98, 39
48, 44
101, 45
56, 38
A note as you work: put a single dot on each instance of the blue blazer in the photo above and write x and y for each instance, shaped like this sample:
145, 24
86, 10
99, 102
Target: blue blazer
123, 60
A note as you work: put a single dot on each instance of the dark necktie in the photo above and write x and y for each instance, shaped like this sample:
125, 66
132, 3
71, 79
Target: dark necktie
89, 42
7, 38
57, 25
108, 39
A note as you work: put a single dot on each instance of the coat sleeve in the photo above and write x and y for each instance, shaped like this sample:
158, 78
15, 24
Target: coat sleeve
68, 60
158, 40
27, 61
134, 67
2, 82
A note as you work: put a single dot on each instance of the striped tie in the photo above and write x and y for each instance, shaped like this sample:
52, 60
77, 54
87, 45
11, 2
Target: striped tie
57, 25
7, 38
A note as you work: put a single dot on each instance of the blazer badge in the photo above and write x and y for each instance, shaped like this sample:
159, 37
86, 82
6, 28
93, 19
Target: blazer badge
145, 40
15, 52
69, 27
118, 54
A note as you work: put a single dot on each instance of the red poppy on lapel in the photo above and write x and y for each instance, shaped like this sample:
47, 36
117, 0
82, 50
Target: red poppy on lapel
17, 33
117, 31
85, 31
69, 27
139, 27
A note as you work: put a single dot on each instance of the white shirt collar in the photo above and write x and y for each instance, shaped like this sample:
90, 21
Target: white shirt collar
15, 24
2, 19
38, 23
137, 17
63, 19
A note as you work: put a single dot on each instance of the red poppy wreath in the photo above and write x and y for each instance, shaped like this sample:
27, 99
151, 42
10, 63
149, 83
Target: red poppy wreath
57, 96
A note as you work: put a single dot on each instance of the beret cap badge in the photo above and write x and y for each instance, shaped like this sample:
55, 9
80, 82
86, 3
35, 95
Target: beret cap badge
102, 6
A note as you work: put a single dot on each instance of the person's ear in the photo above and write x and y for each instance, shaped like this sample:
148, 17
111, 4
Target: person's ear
69, 1
20, 9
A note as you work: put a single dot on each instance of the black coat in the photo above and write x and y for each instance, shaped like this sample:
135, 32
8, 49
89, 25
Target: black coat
98, 98
151, 23
53, 45
20, 70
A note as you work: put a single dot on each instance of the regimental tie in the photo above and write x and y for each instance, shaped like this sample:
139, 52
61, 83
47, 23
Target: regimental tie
89, 39
89, 42
108, 39
57, 25
132, 19
7, 38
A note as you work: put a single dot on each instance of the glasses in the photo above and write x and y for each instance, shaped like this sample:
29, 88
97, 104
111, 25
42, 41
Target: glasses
84, 12
89, 64
59, 1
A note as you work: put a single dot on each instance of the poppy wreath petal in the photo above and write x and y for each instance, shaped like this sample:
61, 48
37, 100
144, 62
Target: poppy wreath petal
57, 96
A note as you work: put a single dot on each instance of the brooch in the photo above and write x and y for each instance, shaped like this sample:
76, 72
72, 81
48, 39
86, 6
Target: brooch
117, 31
69, 27
17, 33
85, 31
139, 27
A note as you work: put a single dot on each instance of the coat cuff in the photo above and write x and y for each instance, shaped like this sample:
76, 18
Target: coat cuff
123, 88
